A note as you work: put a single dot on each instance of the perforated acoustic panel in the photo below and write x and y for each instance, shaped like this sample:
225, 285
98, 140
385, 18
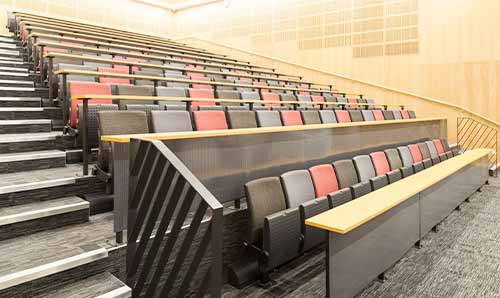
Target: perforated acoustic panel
369, 27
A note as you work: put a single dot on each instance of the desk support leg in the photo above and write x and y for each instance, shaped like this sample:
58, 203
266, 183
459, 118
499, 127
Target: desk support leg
121, 175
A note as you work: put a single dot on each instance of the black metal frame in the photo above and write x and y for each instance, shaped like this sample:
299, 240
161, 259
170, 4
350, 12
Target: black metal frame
472, 134
160, 181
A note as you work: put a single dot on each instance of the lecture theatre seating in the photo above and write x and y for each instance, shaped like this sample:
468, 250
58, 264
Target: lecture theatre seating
278, 206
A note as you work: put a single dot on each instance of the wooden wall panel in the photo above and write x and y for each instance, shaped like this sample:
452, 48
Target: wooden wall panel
446, 49
122, 14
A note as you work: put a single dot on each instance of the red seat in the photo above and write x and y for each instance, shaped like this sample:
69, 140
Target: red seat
210, 120
82, 88
324, 180
317, 98
69, 43
201, 86
271, 97
201, 93
439, 146
352, 100
405, 114
378, 115
304, 86
342, 116
111, 80
380, 163
245, 79
49, 49
415, 153
290, 118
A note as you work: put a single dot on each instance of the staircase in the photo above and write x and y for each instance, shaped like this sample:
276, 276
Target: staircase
50, 244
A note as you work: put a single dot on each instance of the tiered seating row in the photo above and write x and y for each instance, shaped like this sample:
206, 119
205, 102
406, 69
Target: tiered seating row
279, 206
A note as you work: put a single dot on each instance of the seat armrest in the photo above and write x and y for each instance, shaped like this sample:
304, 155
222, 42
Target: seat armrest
340, 197
443, 157
360, 189
406, 171
378, 182
394, 176
449, 154
313, 236
435, 160
282, 237
427, 163
417, 167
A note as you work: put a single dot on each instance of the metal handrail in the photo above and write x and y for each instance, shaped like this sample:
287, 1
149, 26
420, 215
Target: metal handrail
472, 134
160, 181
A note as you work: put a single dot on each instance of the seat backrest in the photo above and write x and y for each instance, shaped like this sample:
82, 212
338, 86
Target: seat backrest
345, 172
310, 117
306, 98
367, 115
145, 108
298, 187
290, 118
329, 97
397, 114
364, 167
268, 118
388, 115
324, 179
133, 90
250, 95
380, 163
412, 114
378, 115
287, 97
241, 119
415, 153
227, 94
426, 154
264, 196
113, 80
82, 88
406, 157
432, 149
342, 99
201, 93
171, 121
342, 116
209, 120
171, 92
271, 97
439, 146
356, 116
393, 158
405, 114
327, 116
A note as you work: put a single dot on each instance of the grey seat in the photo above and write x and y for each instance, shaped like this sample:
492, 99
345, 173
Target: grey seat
96, 64
251, 95
268, 118
327, 116
171, 121
133, 90
306, 98
367, 115
366, 172
222, 87
177, 84
116, 123
310, 117
144, 108
273, 229
412, 114
388, 115
407, 159
426, 154
151, 73
356, 116
348, 177
287, 97
433, 152
395, 162
93, 122
171, 92
227, 94
397, 114
241, 119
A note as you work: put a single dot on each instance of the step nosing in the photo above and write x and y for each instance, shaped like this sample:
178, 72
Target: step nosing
37, 185
25, 122
20, 98
44, 270
42, 213
34, 155
122, 292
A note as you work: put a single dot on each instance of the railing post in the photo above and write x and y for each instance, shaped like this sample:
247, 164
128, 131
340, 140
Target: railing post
216, 245
65, 102
40, 64
84, 129
50, 72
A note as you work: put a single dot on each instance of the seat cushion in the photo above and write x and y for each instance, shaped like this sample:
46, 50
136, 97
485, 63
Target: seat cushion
393, 159
405, 155
367, 115
298, 187
432, 149
356, 116
364, 167
415, 153
268, 118
424, 150
290, 118
342, 116
201, 93
171, 121
241, 119
378, 115
310, 117
324, 179
327, 116
439, 146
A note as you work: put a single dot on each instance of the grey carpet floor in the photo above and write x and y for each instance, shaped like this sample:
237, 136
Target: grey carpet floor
461, 260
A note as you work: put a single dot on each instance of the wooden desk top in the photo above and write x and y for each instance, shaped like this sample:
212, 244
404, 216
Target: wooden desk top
158, 78
158, 66
254, 131
355, 213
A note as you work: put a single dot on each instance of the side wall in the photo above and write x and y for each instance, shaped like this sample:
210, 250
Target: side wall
446, 49
121, 14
